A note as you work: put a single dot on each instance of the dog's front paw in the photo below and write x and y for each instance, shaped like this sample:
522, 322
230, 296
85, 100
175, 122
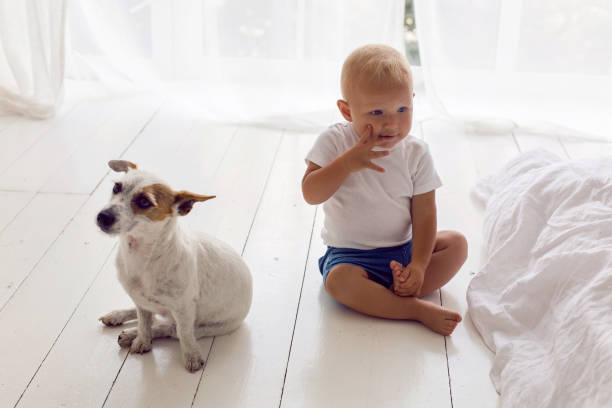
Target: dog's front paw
126, 337
193, 361
111, 319
140, 345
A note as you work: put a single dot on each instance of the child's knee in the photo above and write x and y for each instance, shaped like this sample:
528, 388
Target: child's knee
339, 280
335, 281
459, 242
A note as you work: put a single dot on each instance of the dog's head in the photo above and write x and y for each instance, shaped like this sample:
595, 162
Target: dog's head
140, 198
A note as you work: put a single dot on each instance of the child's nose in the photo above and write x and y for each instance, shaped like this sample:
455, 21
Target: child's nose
391, 123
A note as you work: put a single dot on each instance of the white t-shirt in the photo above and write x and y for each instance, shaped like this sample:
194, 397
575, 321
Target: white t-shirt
371, 209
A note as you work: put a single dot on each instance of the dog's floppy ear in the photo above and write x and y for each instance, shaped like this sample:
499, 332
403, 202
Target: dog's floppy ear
121, 165
183, 200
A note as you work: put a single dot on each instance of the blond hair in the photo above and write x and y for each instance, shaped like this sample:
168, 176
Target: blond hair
374, 65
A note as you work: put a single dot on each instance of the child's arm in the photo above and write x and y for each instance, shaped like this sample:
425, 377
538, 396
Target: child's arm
424, 230
320, 183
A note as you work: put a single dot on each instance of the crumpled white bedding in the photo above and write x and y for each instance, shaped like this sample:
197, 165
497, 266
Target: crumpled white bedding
543, 300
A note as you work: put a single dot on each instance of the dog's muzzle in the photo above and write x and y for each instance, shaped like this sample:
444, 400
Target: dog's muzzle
106, 219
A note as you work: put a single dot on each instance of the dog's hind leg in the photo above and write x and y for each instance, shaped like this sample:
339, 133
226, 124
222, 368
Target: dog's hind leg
158, 331
118, 317
165, 330
162, 330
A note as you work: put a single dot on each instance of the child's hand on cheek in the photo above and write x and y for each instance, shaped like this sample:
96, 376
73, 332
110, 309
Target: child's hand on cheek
407, 281
360, 156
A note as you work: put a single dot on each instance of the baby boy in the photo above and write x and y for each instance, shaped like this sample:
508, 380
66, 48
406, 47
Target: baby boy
377, 184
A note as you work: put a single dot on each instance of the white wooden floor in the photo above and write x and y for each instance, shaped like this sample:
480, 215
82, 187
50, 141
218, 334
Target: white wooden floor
297, 348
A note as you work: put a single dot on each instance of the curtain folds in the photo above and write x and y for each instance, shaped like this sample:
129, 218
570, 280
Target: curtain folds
493, 65
31, 56
269, 62
503, 65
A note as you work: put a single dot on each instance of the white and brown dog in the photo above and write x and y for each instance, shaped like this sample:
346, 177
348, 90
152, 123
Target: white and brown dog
199, 284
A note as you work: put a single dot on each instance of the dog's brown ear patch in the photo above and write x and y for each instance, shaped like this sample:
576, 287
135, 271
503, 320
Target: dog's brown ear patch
154, 202
121, 165
184, 201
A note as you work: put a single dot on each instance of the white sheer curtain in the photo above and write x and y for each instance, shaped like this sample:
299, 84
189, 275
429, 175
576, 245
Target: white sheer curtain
271, 62
31, 56
538, 66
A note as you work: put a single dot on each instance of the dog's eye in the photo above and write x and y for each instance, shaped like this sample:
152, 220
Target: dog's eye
117, 188
143, 202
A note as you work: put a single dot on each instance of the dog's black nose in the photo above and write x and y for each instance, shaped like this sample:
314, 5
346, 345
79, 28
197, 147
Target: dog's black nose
105, 219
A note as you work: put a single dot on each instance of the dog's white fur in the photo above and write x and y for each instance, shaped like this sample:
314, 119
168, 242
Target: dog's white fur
198, 283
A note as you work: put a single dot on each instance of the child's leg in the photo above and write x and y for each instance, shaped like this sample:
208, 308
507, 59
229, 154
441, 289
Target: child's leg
450, 252
350, 285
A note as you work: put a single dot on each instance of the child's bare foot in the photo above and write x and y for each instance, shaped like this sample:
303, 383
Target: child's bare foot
438, 319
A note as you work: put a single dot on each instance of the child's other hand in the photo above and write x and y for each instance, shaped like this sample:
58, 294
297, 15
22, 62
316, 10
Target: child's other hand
360, 156
407, 281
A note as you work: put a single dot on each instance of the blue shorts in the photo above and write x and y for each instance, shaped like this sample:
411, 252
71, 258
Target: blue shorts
374, 261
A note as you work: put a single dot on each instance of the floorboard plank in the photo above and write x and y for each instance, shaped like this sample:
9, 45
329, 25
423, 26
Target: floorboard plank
12, 204
26, 239
83, 362
87, 165
30, 171
44, 301
492, 153
22, 133
255, 356
160, 147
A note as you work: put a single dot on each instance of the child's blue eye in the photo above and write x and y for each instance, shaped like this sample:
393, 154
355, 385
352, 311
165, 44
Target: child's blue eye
376, 112
402, 109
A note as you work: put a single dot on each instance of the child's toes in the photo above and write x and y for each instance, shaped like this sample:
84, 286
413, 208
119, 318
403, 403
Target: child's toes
396, 269
452, 316
450, 327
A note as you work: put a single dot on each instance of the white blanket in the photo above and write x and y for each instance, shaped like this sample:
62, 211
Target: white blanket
543, 300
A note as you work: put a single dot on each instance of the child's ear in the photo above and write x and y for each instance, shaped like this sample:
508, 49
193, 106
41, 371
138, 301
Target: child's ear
345, 110
183, 200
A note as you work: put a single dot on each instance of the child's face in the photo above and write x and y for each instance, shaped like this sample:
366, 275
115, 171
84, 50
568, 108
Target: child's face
389, 113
